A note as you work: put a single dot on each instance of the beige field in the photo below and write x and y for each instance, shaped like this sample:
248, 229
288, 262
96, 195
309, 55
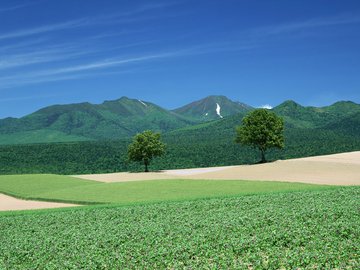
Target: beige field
338, 169
10, 203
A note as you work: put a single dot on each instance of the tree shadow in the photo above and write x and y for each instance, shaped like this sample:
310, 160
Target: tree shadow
260, 162
142, 171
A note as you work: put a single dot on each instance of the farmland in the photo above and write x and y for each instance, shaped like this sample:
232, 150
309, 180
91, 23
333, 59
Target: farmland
185, 223
304, 230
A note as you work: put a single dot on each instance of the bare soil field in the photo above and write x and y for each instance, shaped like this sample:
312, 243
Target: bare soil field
10, 203
337, 169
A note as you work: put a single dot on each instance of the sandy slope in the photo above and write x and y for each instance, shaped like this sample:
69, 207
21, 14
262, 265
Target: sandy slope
11, 203
338, 169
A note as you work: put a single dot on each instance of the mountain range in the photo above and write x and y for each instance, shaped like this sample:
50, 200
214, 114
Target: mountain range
124, 117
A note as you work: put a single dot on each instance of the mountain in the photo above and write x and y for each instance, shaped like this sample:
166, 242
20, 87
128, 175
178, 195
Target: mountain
84, 121
310, 117
212, 108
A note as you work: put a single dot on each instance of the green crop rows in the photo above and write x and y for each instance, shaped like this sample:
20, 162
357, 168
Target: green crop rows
298, 230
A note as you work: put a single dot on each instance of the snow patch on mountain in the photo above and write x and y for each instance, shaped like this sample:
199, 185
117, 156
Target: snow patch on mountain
143, 103
218, 108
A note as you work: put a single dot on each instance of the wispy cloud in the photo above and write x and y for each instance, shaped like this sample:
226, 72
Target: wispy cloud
116, 18
74, 72
148, 7
215, 47
15, 7
20, 46
103, 64
60, 53
41, 56
306, 24
7, 83
77, 71
44, 29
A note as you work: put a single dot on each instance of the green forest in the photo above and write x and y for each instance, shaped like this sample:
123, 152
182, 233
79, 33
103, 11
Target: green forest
185, 149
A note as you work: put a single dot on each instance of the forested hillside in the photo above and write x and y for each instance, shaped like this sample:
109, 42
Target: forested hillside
115, 119
312, 117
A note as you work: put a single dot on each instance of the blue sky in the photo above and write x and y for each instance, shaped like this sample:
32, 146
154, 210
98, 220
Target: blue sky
172, 52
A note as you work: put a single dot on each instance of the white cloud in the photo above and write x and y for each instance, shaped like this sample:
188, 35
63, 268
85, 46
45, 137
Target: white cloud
266, 106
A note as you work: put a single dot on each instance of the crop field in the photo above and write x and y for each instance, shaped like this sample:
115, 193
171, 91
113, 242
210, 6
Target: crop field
290, 230
68, 189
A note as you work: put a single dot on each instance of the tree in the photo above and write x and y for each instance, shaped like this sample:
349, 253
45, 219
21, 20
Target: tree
261, 129
145, 147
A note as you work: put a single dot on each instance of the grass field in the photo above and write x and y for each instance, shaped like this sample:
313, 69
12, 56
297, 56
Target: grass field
289, 230
68, 189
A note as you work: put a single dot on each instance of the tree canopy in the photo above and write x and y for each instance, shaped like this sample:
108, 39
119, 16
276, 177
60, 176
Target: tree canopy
145, 147
261, 129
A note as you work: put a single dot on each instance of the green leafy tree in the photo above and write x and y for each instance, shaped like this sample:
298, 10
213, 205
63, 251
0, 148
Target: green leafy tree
145, 147
261, 129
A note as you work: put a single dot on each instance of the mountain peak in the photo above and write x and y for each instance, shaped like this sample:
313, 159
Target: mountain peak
341, 107
287, 106
121, 99
211, 108
216, 97
289, 103
343, 103
126, 101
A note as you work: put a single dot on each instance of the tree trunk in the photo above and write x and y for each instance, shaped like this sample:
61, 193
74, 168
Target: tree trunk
146, 163
263, 160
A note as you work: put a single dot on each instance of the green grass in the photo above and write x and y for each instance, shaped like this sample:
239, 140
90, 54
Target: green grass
69, 189
32, 186
297, 230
